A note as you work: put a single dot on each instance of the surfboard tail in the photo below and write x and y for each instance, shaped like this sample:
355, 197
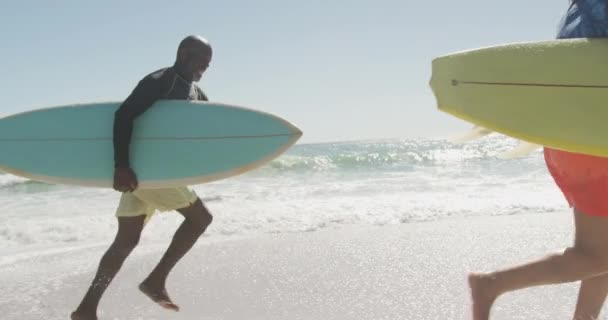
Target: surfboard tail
473, 134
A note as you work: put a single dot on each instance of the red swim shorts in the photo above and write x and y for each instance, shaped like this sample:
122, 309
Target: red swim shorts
583, 180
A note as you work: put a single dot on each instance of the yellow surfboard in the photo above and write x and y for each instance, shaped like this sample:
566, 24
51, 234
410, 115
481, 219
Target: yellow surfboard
550, 93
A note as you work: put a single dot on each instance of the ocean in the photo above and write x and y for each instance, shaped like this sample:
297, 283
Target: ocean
311, 187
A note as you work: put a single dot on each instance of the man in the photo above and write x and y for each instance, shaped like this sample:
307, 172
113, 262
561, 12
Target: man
583, 179
137, 206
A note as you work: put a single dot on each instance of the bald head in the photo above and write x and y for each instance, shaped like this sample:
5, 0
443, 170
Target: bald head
193, 57
195, 44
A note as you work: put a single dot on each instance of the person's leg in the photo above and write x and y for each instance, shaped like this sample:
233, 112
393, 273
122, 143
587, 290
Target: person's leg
196, 220
591, 297
127, 237
586, 259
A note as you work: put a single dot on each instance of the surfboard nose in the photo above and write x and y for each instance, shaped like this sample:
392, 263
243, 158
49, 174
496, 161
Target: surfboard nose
296, 133
295, 130
292, 128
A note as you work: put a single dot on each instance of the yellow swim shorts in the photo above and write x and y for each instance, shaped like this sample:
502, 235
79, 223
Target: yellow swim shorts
147, 201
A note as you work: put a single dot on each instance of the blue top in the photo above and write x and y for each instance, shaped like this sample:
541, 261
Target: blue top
585, 19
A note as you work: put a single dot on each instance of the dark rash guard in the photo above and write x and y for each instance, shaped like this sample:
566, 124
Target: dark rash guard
162, 84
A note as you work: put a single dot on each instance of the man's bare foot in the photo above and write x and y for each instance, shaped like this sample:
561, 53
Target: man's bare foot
482, 295
159, 296
80, 316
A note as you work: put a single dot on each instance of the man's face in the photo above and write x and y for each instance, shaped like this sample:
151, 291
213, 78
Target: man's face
197, 64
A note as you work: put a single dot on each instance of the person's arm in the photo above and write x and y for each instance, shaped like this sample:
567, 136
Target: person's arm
201, 95
141, 99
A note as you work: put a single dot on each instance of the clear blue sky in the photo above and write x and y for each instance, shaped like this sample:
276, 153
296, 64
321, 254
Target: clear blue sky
339, 69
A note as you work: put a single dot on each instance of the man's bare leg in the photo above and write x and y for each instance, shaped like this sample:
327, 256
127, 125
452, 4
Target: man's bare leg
196, 220
127, 237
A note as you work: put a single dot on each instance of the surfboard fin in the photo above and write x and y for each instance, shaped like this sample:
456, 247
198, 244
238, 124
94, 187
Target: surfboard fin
523, 149
475, 133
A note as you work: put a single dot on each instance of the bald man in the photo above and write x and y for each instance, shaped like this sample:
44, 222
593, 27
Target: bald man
137, 206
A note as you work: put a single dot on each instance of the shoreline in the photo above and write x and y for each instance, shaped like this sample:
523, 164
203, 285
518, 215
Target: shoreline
409, 271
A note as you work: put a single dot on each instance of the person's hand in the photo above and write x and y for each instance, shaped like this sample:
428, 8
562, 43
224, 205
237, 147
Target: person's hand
125, 180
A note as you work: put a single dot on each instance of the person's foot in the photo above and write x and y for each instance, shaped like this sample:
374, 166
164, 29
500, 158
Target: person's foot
482, 295
158, 295
77, 315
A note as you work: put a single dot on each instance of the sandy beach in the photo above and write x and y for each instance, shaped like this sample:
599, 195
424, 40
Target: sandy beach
410, 271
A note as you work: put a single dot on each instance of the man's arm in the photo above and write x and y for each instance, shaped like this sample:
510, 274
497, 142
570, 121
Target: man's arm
141, 99
201, 95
